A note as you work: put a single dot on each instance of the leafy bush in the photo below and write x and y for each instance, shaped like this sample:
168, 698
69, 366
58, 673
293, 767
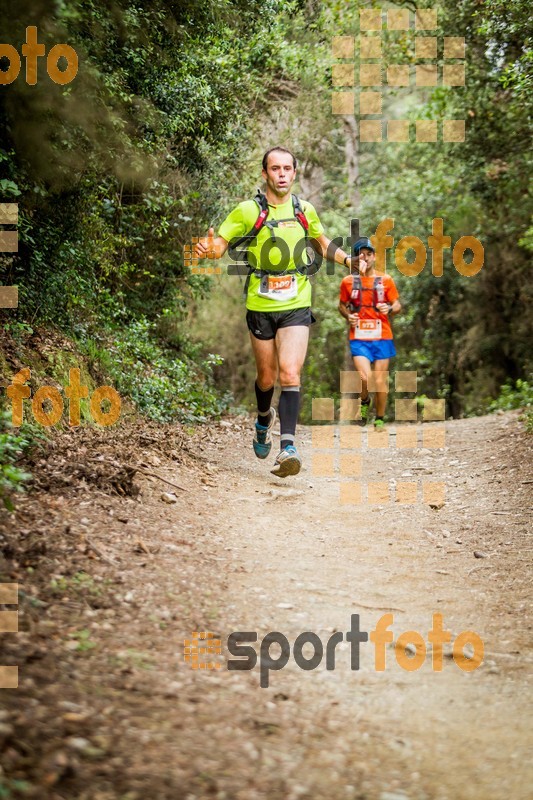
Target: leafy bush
12, 445
115, 173
519, 395
162, 385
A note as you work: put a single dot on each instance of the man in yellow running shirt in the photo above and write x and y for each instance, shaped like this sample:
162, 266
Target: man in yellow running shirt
278, 296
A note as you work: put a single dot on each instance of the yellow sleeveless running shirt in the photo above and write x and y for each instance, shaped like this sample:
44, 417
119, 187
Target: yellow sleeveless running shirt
263, 256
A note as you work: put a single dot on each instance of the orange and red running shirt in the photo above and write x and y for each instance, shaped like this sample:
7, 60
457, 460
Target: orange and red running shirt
368, 311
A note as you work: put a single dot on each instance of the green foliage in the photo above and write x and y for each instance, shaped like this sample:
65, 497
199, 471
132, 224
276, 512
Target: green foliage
13, 444
115, 172
84, 641
464, 336
81, 585
12, 788
516, 395
327, 343
163, 384
161, 133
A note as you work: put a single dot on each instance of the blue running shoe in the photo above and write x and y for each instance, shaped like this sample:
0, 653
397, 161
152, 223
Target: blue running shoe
288, 462
263, 440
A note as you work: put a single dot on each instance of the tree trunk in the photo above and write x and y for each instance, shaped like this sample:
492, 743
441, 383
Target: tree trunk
351, 152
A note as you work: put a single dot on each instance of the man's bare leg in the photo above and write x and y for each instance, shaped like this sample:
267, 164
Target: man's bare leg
381, 368
265, 355
364, 368
291, 343
266, 361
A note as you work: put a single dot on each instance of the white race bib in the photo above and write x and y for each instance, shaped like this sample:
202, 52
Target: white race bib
278, 287
368, 329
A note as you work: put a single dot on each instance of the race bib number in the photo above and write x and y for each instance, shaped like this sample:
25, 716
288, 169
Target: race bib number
368, 329
278, 287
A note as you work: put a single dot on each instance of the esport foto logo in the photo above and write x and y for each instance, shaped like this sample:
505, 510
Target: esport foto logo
410, 649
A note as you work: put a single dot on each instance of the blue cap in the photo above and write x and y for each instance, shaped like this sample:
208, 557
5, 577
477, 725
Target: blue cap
361, 243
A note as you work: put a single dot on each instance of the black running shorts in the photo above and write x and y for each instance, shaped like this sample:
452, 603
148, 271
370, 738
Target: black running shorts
265, 324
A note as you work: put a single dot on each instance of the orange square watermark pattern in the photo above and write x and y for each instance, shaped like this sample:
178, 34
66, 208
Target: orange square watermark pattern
9, 678
190, 260
428, 72
202, 644
9, 244
339, 448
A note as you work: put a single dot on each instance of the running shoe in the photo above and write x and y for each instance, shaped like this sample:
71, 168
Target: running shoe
288, 462
365, 411
379, 425
263, 440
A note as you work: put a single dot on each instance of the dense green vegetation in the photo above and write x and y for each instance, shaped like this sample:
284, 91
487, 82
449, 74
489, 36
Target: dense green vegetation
114, 173
465, 336
517, 395
161, 133
13, 444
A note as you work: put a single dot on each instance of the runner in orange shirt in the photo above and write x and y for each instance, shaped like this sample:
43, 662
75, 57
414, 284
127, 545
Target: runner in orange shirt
367, 301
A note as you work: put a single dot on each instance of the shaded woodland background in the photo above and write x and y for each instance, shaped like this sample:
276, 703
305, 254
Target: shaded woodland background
161, 134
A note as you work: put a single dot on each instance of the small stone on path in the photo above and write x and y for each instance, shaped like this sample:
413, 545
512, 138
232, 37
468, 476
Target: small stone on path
169, 497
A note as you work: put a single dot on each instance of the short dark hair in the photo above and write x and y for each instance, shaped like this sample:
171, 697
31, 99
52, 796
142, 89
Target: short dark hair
278, 150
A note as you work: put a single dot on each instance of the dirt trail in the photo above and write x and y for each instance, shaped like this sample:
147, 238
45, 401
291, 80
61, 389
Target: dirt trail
108, 709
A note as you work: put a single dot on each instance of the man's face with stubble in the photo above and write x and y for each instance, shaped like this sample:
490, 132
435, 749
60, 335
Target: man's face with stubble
280, 173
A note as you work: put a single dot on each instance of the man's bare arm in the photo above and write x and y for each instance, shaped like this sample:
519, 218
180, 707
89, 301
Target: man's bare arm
349, 316
343, 310
396, 307
339, 255
324, 246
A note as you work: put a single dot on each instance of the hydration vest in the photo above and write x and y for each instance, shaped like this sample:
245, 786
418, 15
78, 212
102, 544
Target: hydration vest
261, 222
356, 297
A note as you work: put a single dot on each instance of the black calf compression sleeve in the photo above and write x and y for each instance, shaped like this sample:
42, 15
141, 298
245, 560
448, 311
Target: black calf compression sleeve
264, 398
289, 407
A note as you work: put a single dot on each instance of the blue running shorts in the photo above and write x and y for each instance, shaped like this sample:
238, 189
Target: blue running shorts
374, 351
